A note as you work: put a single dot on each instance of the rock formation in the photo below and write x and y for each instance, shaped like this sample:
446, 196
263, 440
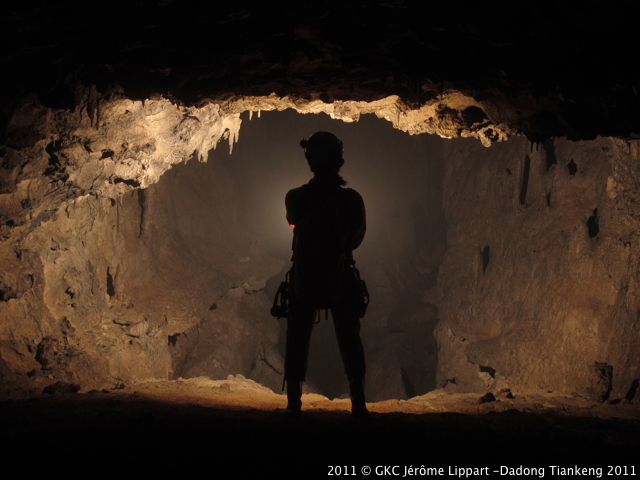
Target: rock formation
537, 287
107, 274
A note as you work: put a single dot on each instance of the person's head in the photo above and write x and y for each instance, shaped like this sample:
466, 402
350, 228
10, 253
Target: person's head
323, 152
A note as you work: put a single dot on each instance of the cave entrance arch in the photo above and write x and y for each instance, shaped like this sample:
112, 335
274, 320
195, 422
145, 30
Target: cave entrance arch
94, 291
400, 178
108, 266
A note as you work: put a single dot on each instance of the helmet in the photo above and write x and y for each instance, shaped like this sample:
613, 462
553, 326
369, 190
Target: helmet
323, 151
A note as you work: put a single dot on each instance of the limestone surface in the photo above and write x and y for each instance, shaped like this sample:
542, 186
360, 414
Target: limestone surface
538, 285
107, 274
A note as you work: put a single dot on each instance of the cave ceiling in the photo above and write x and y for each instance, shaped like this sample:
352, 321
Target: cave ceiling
488, 70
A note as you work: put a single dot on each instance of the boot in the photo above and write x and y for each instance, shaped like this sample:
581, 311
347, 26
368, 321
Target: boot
358, 404
294, 400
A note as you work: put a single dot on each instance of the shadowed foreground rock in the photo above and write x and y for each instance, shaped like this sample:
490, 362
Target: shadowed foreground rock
229, 429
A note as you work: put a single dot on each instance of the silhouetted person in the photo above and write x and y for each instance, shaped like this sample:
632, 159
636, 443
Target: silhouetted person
329, 223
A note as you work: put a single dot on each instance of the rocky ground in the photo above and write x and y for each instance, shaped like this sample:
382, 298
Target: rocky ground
230, 428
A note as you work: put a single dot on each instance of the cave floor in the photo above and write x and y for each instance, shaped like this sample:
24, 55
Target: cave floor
230, 428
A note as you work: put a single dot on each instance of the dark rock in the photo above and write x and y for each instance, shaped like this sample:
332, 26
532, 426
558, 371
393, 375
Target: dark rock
61, 387
487, 397
505, 393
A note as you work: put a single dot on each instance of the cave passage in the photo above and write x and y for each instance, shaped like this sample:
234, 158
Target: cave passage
400, 179
128, 263
176, 280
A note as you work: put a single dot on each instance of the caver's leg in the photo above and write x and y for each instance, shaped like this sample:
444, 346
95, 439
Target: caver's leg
299, 328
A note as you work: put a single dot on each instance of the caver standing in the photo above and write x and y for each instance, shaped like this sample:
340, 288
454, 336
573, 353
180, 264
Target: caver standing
329, 223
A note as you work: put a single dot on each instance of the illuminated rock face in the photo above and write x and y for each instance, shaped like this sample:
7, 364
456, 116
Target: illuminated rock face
122, 282
86, 279
537, 288
121, 288
539, 283
105, 282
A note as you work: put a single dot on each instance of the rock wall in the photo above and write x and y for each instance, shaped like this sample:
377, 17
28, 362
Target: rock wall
110, 274
122, 289
82, 215
539, 287
399, 261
